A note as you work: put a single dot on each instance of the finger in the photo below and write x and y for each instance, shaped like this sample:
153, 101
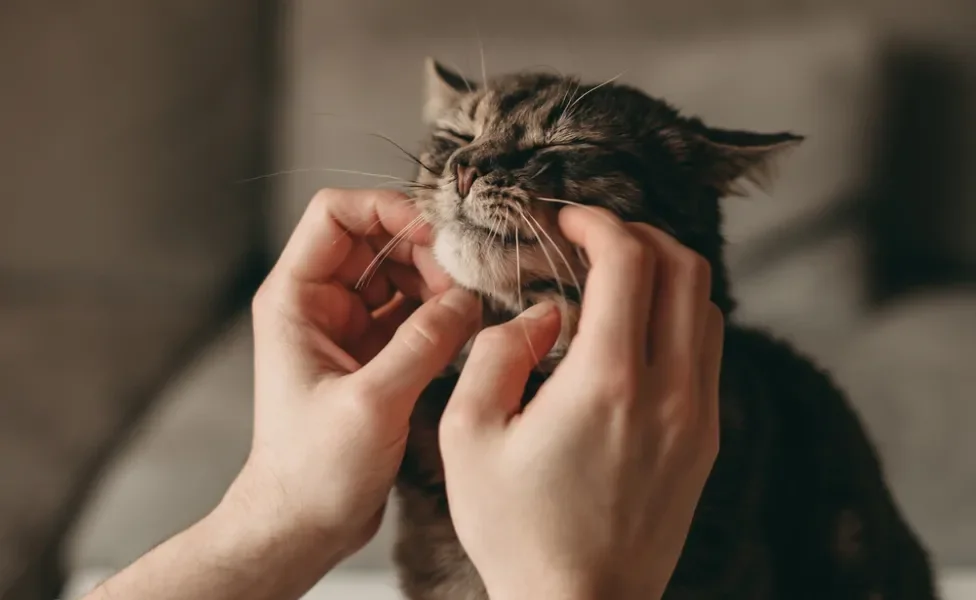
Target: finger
359, 272
489, 391
382, 327
680, 307
422, 347
434, 275
409, 282
323, 237
399, 247
618, 289
710, 367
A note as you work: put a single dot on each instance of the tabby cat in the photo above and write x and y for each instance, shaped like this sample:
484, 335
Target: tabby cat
796, 506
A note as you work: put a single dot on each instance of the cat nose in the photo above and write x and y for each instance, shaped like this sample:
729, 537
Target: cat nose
465, 178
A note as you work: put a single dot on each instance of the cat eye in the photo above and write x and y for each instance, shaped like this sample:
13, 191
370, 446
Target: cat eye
457, 135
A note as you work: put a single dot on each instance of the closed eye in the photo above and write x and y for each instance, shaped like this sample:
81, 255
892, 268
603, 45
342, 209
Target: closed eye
566, 145
455, 135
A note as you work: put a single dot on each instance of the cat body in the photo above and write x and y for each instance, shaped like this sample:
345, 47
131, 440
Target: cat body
796, 506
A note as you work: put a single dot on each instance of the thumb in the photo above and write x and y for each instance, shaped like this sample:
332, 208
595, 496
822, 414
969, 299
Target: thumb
489, 391
422, 346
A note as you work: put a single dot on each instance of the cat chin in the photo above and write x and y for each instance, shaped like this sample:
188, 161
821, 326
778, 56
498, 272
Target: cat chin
569, 314
490, 272
474, 266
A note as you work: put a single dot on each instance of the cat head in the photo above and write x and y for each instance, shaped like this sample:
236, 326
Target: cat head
506, 154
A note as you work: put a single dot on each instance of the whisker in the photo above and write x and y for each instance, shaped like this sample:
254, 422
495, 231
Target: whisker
568, 102
542, 170
408, 185
562, 256
518, 283
466, 83
593, 89
583, 206
387, 249
491, 234
552, 265
325, 170
660, 225
410, 229
481, 50
582, 258
406, 152
360, 127
518, 272
494, 228
345, 232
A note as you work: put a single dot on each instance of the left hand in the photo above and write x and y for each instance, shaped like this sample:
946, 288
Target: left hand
337, 371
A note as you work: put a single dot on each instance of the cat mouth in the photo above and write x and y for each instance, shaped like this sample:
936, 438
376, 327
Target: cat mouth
570, 293
502, 233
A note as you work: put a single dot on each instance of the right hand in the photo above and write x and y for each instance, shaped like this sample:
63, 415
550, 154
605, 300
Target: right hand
590, 491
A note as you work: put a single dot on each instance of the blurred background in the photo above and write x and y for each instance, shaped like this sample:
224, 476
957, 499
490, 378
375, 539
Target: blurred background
136, 221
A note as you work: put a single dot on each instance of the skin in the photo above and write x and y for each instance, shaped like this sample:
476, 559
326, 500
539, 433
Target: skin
597, 468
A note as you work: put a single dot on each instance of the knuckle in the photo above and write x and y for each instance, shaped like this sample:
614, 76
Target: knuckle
696, 268
455, 425
716, 317
632, 250
419, 335
711, 442
682, 379
499, 340
358, 406
259, 301
324, 198
264, 300
619, 386
360, 392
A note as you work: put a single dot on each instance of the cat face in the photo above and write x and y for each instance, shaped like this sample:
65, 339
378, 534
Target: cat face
505, 155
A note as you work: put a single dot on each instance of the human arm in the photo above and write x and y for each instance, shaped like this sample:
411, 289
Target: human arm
337, 370
590, 490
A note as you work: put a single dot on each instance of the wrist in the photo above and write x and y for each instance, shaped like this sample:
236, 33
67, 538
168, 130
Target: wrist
257, 523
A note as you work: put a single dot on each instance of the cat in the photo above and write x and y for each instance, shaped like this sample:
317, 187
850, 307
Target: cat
796, 506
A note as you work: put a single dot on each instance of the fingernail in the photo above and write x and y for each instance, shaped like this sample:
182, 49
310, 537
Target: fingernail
462, 302
538, 311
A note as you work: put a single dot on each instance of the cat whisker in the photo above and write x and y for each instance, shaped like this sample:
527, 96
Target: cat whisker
328, 170
521, 306
481, 51
345, 232
406, 152
494, 228
467, 84
595, 88
408, 186
552, 264
578, 204
582, 258
361, 128
555, 246
388, 249
660, 225
541, 171
567, 98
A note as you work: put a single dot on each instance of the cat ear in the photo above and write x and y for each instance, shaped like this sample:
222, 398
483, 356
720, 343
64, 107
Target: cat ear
734, 156
444, 89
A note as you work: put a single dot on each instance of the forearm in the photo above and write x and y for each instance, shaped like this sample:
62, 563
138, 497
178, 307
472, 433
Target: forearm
225, 556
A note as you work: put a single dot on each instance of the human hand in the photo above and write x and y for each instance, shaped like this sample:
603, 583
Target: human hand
337, 371
590, 491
